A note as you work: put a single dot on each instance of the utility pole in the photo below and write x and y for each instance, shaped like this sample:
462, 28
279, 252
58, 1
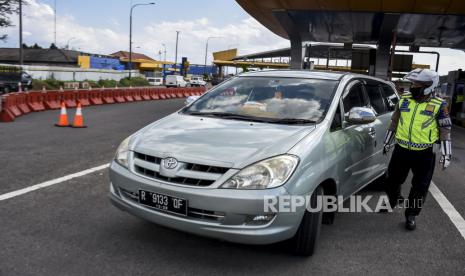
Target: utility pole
130, 33
206, 52
164, 60
21, 60
55, 23
176, 52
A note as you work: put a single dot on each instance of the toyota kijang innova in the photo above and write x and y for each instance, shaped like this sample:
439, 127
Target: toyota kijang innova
207, 168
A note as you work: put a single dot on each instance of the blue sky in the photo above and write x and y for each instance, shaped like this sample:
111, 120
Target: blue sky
101, 26
106, 12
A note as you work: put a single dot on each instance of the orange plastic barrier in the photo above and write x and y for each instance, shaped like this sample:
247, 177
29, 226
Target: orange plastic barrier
172, 92
154, 95
128, 95
52, 99
35, 100
136, 94
7, 114
22, 103
162, 93
107, 96
83, 96
69, 97
96, 97
119, 95
146, 94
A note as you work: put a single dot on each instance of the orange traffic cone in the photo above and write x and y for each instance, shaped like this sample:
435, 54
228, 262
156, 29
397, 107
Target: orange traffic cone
78, 119
63, 119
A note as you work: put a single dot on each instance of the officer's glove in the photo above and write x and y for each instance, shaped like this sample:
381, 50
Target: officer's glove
387, 142
446, 151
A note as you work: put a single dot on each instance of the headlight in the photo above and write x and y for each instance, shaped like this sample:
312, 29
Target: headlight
266, 174
122, 153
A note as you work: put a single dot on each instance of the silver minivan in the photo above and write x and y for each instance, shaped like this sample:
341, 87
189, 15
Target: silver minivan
208, 168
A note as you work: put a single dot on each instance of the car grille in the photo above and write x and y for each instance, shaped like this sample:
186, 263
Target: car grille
190, 174
193, 213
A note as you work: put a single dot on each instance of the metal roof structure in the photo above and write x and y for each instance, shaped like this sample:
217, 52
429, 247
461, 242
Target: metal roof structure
384, 23
40, 56
431, 23
318, 50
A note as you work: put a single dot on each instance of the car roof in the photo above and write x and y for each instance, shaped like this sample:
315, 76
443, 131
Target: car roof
306, 74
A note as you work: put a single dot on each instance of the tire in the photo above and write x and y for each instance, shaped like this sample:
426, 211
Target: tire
6, 90
305, 240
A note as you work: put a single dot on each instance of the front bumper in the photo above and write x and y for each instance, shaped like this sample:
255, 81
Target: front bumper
233, 209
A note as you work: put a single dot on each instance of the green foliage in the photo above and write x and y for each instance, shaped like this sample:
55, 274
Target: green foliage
49, 84
53, 84
8, 8
107, 83
134, 82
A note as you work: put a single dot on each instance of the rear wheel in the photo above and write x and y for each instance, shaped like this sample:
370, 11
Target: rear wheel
305, 239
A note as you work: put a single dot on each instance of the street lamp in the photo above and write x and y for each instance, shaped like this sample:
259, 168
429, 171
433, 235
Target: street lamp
164, 60
206, 52
21, 57
130, 33
69, 40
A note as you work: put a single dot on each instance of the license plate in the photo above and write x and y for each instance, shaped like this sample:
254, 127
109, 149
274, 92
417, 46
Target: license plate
163, 202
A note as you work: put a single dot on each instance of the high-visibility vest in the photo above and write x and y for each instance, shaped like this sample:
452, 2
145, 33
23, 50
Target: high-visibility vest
418, 128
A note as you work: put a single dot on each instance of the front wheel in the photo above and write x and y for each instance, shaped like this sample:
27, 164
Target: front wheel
305, 240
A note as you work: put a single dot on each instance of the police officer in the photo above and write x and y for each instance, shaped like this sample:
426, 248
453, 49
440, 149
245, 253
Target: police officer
419, 121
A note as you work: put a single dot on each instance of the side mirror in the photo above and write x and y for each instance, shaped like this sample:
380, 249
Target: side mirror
190, 100
361, 115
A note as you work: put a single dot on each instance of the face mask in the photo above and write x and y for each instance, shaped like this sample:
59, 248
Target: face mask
416, 91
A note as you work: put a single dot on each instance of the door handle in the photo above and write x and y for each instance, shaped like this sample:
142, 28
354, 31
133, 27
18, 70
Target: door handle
372, 132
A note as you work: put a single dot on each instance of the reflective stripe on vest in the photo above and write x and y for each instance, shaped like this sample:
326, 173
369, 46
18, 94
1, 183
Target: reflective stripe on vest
418, 128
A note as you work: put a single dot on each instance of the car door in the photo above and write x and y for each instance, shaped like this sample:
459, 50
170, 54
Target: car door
361, 140
383, 108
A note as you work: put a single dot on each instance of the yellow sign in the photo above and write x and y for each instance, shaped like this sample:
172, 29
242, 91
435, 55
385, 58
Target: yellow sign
225, 55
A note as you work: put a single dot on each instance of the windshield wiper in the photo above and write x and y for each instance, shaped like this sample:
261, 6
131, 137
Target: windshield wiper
226, 115
291, 121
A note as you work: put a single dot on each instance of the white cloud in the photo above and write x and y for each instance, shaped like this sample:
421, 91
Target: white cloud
247, 35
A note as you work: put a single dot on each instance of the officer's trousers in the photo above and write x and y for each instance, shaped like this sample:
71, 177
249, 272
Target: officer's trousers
422, 164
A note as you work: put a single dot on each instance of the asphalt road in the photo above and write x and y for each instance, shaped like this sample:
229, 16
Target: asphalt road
72, 229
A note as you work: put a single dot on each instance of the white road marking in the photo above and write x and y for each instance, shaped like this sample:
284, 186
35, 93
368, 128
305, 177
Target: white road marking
443, 202
52, 182
448, 208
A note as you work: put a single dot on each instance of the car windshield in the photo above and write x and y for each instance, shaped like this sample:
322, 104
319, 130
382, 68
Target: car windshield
280, 100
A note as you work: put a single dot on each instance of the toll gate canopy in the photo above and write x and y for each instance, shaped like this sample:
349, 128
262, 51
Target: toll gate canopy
385, 23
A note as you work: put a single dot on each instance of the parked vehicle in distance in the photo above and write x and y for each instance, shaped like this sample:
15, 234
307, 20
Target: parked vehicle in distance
155, 81
197, 81
208, 168
175, 81
11, 76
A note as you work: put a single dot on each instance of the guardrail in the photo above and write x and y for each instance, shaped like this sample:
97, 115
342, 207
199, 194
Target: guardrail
17, 104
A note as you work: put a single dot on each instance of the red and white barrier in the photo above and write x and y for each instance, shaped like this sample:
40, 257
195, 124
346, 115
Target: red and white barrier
17, 104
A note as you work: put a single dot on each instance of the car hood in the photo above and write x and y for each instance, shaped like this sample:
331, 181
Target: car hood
231, 143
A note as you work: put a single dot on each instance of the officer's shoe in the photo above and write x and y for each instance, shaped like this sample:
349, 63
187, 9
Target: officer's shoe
410, 223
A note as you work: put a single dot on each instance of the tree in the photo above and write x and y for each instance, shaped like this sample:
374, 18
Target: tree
53, 46
36, 46
7, 9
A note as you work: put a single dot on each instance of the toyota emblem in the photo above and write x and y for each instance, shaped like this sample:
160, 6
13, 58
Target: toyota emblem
170, 163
